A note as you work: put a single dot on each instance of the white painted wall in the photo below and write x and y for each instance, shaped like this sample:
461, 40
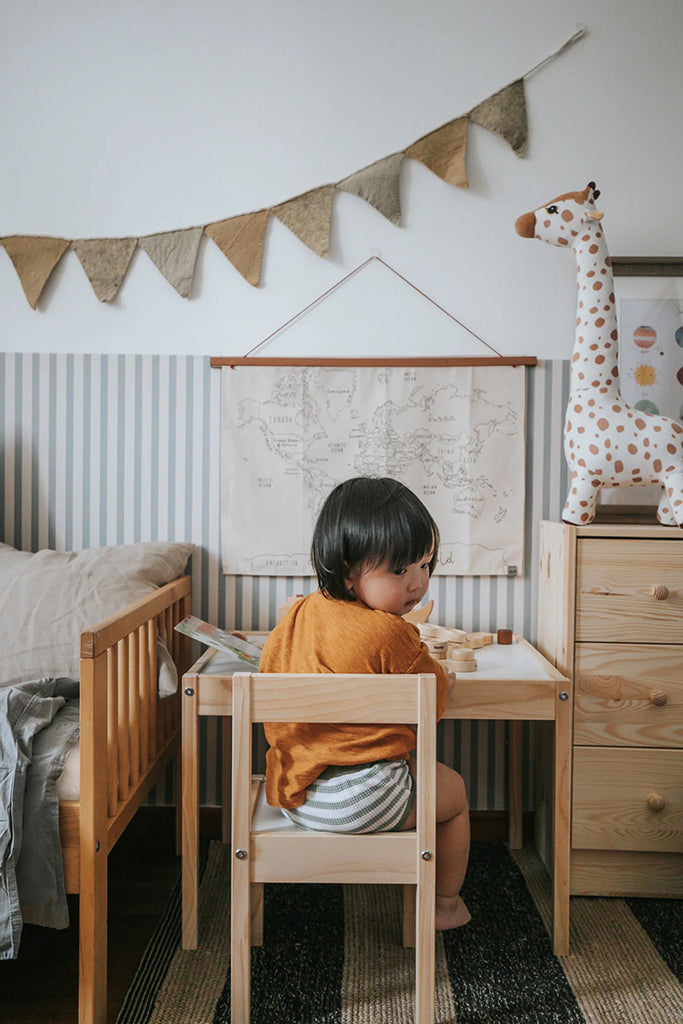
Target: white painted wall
140, 116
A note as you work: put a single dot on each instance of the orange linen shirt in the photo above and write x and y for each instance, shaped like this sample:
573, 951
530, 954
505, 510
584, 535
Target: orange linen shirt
321, 634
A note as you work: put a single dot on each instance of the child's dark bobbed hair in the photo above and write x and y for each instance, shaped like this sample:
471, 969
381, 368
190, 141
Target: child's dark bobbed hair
370, 520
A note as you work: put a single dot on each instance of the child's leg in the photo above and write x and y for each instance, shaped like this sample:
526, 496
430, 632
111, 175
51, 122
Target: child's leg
452, 845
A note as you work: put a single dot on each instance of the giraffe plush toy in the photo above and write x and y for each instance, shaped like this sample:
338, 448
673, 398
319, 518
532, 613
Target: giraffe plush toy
606, 442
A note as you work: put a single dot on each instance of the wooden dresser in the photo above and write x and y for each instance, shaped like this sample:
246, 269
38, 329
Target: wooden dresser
611, 619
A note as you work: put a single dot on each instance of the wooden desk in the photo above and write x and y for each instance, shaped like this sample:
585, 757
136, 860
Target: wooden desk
512, 683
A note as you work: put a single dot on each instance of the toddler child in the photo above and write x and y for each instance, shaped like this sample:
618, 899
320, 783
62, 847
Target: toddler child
374, 549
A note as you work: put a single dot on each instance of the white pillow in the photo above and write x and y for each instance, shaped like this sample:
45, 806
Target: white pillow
47, 599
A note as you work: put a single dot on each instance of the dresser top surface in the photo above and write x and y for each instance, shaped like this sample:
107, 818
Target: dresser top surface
641, 531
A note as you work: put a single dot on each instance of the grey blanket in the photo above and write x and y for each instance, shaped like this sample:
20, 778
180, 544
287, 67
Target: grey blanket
38, 726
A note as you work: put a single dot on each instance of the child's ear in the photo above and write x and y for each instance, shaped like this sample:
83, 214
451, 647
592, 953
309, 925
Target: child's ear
348, 578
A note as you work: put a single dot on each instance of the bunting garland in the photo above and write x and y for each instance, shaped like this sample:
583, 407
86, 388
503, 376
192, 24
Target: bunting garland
34, 260
241, 240
175, 254
444, 151
505, 113
105, 261
309, 216
379, 185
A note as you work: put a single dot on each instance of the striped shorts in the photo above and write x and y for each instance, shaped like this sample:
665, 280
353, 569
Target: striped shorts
376, 797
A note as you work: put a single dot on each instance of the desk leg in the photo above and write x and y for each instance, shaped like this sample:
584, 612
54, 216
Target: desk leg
190, 805
226, 779
515, 732
561, 825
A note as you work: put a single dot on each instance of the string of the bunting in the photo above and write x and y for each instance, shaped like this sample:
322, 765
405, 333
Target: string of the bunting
241, 238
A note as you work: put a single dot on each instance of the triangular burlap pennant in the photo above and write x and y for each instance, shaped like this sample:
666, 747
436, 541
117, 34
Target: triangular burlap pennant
379, 185
175, 254
34, 259
443, 151
309, 216
505, 113
241, 240
105, 262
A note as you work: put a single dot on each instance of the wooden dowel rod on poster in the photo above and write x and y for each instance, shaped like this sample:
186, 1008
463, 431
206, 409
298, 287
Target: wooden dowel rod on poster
217, 361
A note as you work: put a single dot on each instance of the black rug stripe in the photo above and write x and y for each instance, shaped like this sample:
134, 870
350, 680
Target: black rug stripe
663, 922
501, 965
139, 1000
296, 976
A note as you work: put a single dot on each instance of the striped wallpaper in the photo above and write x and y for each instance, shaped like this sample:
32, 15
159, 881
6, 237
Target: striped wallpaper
111, 449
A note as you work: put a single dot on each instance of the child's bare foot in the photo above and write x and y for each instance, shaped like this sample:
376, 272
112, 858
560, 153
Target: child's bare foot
451, 912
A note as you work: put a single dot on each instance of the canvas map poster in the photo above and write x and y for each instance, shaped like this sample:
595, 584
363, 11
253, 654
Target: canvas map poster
454, 435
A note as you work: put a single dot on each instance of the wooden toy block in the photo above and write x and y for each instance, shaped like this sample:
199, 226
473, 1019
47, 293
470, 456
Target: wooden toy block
429, 630
463, 660
459, 666
477, 640
420, 614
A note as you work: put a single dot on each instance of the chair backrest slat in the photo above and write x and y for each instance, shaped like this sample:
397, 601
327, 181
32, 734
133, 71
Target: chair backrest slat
332, 698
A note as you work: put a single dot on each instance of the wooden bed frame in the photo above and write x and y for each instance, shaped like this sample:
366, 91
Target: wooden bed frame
121, 713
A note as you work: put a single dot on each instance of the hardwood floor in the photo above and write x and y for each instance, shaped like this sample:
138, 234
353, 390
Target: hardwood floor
41, 985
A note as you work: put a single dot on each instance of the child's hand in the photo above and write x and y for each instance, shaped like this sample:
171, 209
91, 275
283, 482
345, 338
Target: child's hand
451, 681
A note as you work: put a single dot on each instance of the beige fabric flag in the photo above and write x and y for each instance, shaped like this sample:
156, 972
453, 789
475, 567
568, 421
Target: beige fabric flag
505, 113
34, 258
175, 254
241, 240
309, 216
105, 262
443, 151
379, 185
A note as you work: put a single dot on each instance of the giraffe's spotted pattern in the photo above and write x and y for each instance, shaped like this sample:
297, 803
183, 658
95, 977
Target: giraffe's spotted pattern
607, 443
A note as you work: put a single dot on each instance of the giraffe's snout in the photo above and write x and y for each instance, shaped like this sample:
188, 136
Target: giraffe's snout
526, 225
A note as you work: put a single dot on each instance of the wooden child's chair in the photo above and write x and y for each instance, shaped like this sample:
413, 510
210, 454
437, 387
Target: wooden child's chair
292, 854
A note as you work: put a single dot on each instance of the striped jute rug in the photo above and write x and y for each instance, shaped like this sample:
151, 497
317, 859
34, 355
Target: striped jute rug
332, 955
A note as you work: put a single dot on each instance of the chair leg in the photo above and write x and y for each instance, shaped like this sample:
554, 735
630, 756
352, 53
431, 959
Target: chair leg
226, 779
240, 943
409, 896
425, 943
256, 910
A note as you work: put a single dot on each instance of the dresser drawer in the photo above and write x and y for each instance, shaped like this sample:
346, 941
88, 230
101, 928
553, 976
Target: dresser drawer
627, 799
629, 590
628, 694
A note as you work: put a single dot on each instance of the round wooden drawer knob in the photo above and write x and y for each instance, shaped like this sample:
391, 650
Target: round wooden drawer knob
659, 592
658, 697
655, 802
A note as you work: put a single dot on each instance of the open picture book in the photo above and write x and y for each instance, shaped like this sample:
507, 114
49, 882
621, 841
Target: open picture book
213, 636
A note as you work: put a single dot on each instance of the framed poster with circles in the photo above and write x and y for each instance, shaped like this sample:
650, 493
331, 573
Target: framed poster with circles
650, 309
649, 294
